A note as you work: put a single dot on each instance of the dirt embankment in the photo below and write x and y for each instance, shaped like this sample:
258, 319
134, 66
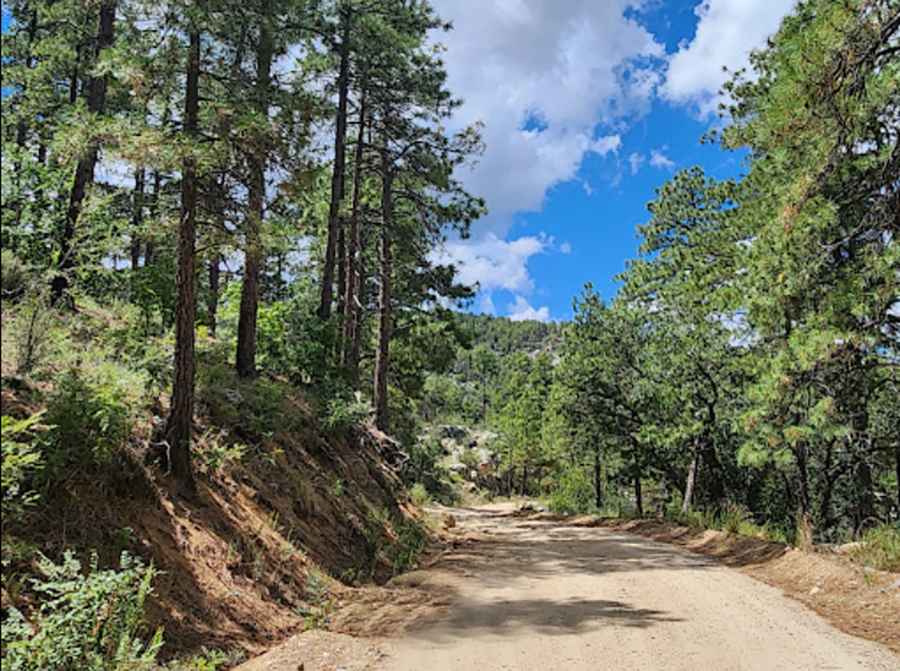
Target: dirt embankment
264, 551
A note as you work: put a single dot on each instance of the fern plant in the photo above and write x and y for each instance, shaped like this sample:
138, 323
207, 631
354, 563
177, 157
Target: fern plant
90, 621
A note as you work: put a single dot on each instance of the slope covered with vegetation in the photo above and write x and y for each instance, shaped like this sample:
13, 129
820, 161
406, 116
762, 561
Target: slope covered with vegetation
746, 375
289, 506
218, 295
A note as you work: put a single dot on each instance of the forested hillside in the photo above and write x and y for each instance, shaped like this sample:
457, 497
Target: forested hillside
233, 368
749, 365
219, 294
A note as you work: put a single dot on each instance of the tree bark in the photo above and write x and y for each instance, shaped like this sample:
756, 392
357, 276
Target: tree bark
638, 493
524, 491
337, 175
804, 509
830, 474
137, 217
385, 325
353, 284
246, 344
691, 479
865, 488
865, 507
178, 428
342, 265
84, 172
149, 249
212, 301
598, 480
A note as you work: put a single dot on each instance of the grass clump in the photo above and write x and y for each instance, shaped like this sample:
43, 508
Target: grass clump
419, 494
732, 518
879, 548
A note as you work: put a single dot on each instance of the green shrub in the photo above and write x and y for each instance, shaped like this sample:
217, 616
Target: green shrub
214, 452
574, 493
90, 622
32, 333
880, 548
254, 408
411, 541
424, 468
419, 494
344, 413
696, 519
90, 417
15, 275
207, 660
402, 552
21, 461
291, 343
778, 534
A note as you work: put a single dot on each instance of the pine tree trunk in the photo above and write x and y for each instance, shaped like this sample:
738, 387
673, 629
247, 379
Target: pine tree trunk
246, 344
385, 325
337, 175
865, 487
42, 160
84, 172
76, 75
804, 511
149, 249
830, 476
178, 428
598, 480
137, 217
638, 495
342, 265
691, 479
865, 508
212, 301
352, 286
524, 479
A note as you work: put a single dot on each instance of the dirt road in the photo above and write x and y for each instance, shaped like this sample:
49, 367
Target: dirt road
540, 596
524, 595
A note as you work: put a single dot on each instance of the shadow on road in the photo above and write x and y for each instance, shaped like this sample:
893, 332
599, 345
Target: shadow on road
544, 616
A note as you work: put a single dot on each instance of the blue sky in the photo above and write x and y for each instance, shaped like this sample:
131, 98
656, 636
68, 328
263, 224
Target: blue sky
588, 107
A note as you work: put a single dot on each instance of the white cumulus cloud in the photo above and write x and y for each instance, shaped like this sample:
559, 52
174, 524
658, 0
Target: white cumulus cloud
521, 310
659, 160
493, 263
635, 160
576, 66
727, 31
607, 143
